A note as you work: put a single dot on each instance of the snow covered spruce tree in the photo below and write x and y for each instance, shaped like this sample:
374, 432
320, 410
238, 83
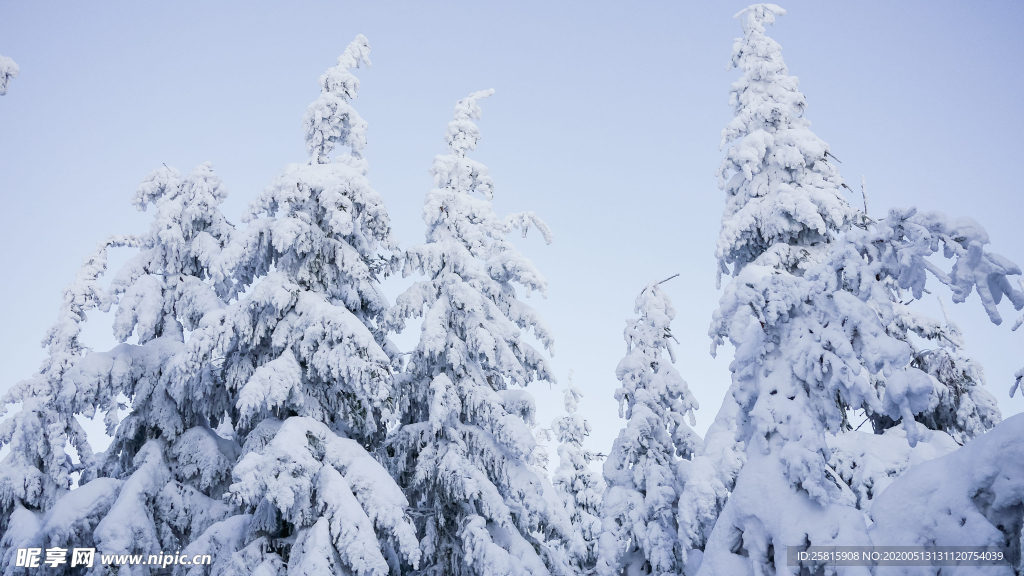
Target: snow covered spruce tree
645, 469
151, 490
580, 487
811, 310
301, 353
8, 71
465, 447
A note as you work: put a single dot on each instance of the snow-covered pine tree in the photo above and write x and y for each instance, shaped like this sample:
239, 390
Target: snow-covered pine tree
463, 452
783, 207
809, 311
301, 354
580, 487
8, 71
644, 471
151, 490
172, 467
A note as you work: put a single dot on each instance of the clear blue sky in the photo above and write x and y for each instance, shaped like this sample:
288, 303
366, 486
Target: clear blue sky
606, 122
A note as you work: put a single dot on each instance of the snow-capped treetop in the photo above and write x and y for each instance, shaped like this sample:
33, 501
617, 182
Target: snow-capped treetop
325, 225
310, 255
186, 239
467, 241
783, 195
330, 120
647, 379
8, 71
463, 134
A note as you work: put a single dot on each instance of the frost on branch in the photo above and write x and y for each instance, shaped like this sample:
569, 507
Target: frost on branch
465, 448
643, 470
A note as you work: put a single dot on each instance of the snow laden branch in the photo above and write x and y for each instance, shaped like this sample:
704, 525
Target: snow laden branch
37, 471
832, 321
8, 71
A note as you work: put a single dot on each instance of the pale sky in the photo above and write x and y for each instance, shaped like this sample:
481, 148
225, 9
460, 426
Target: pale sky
606, 122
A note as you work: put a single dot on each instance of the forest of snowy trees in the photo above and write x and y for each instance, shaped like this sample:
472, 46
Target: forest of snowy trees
263, 416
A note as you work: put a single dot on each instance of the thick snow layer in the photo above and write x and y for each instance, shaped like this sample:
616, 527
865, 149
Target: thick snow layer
869, 462
973, 496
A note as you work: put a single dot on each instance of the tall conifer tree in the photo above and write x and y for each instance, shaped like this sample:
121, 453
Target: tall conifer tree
811, 310
465, 448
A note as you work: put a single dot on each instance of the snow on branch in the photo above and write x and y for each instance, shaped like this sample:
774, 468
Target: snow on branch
8, 71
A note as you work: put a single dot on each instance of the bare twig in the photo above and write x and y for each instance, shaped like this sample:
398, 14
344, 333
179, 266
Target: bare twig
669, 278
